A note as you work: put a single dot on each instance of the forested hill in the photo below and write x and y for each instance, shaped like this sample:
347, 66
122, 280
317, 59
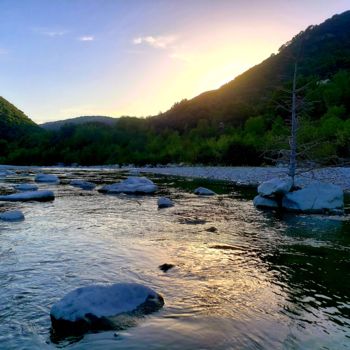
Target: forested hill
232, 125
321, 51
79, 120
13, 122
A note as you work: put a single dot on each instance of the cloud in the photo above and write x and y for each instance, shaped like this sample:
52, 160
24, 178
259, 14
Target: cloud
158, 42
52, 33
86, 38
3, 51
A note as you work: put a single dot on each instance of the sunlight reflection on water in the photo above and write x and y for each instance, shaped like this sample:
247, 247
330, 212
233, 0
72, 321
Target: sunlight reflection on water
258, 282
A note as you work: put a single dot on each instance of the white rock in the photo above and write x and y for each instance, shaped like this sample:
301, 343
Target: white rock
6, 172
47, 178
13, 215
275, 186
131, 185
26, 187
91, 307
262, 202
202, 191
164, 202
85, 185
29, 196
315, 198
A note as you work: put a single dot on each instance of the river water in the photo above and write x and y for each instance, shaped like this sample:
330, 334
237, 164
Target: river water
261, 281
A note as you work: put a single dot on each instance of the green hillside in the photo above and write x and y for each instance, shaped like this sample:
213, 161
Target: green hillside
322, 50
13, 122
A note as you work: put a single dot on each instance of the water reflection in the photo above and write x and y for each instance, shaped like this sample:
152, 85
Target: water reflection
259, 281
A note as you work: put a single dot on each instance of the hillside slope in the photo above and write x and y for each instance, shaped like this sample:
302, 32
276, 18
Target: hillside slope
322, 50
13, 122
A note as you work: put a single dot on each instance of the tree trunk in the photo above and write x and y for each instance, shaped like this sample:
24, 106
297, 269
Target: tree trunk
293, 136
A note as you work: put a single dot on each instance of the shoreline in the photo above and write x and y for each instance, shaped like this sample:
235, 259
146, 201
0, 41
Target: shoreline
239, 176
253, 176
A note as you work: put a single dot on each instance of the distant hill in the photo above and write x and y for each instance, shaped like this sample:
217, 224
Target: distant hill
78, 121
323, 50
13, 122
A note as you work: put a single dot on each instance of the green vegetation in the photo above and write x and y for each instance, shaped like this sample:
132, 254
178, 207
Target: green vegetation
232, 125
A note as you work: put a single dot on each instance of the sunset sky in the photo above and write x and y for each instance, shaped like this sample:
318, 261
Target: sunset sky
66, 58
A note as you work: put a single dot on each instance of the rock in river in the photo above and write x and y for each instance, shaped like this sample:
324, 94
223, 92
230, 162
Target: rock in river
47, 178
96, 307
12, 215
41, 196
26, 187
164, 202
202, 191
315, 198
275, 186
84, 185
265, 203
132, 184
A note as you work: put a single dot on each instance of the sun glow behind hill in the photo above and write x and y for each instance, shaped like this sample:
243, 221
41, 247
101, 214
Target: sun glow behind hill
139, 57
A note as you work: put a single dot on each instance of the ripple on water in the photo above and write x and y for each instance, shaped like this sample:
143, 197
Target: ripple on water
258, 282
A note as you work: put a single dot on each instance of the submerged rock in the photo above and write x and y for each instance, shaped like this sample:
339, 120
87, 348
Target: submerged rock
265, 203
315, 198
84, 185
96, 307
13, 215
132, 184
47, 178
26, 187
275, 187
164, 202
211, 229
202, 191
165, 267
41, 196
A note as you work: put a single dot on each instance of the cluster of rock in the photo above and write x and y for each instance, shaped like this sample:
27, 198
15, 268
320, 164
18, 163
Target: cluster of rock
316, 198
95, 307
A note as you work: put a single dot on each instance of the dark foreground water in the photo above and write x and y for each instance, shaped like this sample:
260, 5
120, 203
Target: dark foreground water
258, 282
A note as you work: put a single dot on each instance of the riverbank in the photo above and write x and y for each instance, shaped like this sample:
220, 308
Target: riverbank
253, 176
240, 176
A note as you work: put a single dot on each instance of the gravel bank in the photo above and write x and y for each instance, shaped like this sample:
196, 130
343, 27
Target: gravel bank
253, 176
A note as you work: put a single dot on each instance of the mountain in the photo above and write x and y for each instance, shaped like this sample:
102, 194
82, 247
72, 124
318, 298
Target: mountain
78, 121
232, 125
321, 51
13, 122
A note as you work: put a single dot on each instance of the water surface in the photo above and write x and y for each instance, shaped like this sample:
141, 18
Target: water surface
260, 281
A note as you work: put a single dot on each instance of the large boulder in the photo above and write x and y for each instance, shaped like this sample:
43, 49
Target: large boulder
315, 198
41, 196
46, 178
264, 203
97, 307
12, 215
84, 185
275, 187
202, 191
26, 187
132, 184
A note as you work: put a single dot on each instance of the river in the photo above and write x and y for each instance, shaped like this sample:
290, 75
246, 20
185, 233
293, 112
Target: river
260, 281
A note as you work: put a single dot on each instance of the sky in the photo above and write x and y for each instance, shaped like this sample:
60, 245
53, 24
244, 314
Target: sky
66, 58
